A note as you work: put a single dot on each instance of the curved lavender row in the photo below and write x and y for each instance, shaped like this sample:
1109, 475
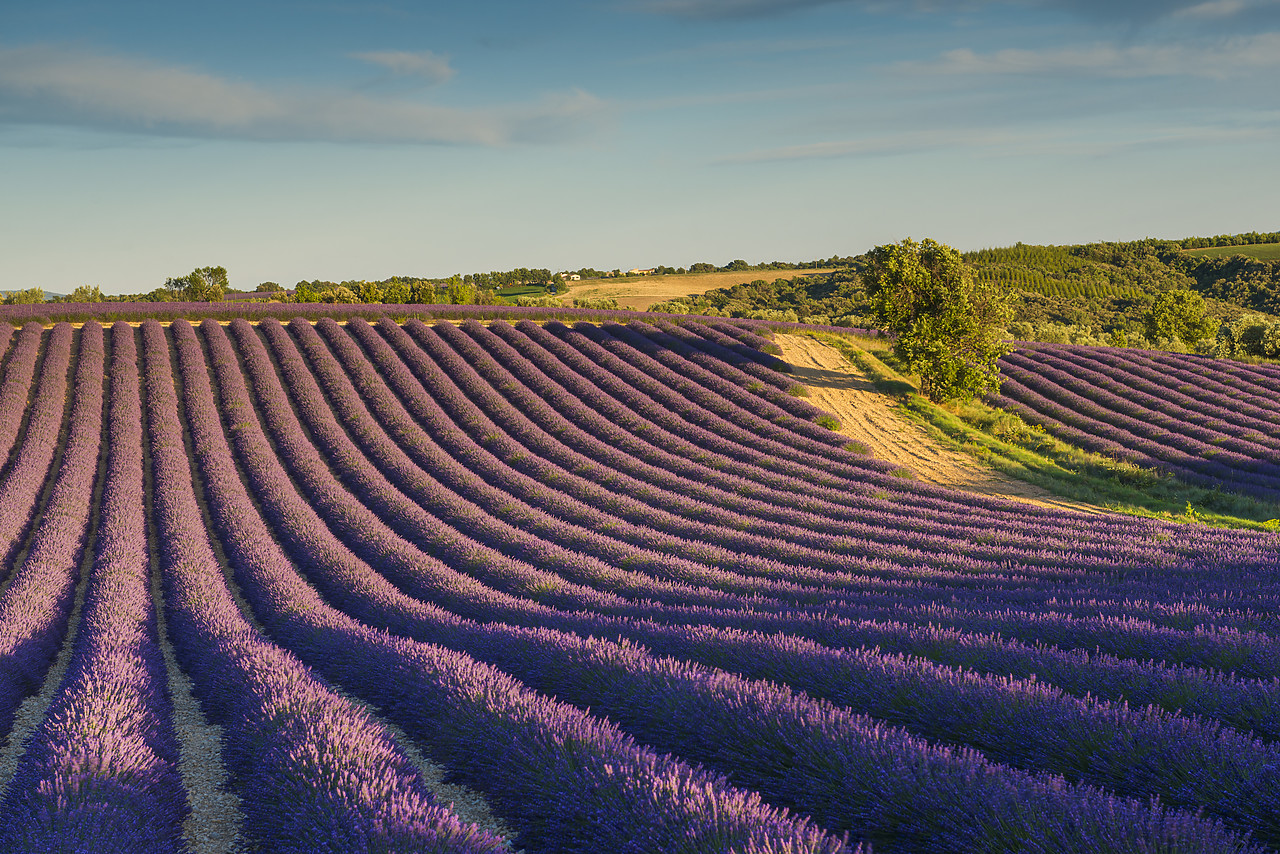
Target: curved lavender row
1181, 445
1141, 748
743, 353
1083, 422
573, 782
707, 544
20, 369
892, 520
746, 336
1263, 379
314, 771
538, 538
1089, 725
742, 419
304, 534
748, 344
780, 490
737, 359
357, 328
1250, 654
6, 338
551, 463
526, 402
854, 484
37, 604
369, 536
882, 532
479, 607
739, 364
1018, 393
1125, 375
384, 605
1245, 704
101, 772
1179, 437
22, 484
581, 392
1152, 391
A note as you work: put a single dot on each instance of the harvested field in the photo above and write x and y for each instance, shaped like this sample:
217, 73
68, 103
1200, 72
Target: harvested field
640, 292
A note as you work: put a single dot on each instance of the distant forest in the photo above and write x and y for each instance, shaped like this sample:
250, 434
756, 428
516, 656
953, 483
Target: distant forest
1089, 293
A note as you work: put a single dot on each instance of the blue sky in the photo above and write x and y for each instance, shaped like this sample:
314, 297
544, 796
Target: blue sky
298, 140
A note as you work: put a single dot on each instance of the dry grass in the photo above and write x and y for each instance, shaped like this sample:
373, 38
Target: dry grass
640, 292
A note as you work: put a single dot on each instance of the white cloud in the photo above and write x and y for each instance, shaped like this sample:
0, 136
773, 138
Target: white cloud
1228, 58
402, 63
63, 86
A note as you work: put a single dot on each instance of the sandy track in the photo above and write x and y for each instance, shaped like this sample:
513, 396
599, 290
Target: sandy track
872, 419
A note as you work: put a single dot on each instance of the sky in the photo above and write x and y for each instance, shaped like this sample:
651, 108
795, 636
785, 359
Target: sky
343, 140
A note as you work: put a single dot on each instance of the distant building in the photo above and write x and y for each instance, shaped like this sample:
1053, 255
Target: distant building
571, 277
638, 272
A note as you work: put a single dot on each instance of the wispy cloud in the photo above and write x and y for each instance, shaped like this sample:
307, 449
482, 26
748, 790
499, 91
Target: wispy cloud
1075, 142
1125, 11
1225, 59
718, 9
55, 85
425, 64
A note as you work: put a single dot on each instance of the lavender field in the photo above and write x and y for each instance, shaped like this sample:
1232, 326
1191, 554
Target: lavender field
1210, 422
613, 578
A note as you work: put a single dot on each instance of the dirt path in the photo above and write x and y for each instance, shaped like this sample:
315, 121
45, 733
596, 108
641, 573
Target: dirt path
872, 419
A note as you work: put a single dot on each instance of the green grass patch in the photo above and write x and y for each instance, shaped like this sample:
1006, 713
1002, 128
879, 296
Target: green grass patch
1003, 441
523, 291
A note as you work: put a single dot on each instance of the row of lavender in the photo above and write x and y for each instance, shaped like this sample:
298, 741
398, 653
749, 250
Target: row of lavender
1211, 422
380, 553
407, 509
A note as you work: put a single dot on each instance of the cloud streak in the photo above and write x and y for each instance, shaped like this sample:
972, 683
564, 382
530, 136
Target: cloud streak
426, 65
53, 85
1125, 11
1230, 58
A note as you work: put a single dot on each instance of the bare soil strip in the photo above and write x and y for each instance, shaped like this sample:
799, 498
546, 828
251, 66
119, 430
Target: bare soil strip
872, 419
215, 824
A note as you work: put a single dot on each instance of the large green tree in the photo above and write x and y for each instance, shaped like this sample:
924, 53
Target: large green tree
947, 326
1178, 314
203, 284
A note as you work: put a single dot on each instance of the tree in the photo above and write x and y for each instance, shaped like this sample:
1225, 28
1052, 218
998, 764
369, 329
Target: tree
341, 295
947, 326
268, 288
31, 296
86, 293
1178, 314
203, 284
